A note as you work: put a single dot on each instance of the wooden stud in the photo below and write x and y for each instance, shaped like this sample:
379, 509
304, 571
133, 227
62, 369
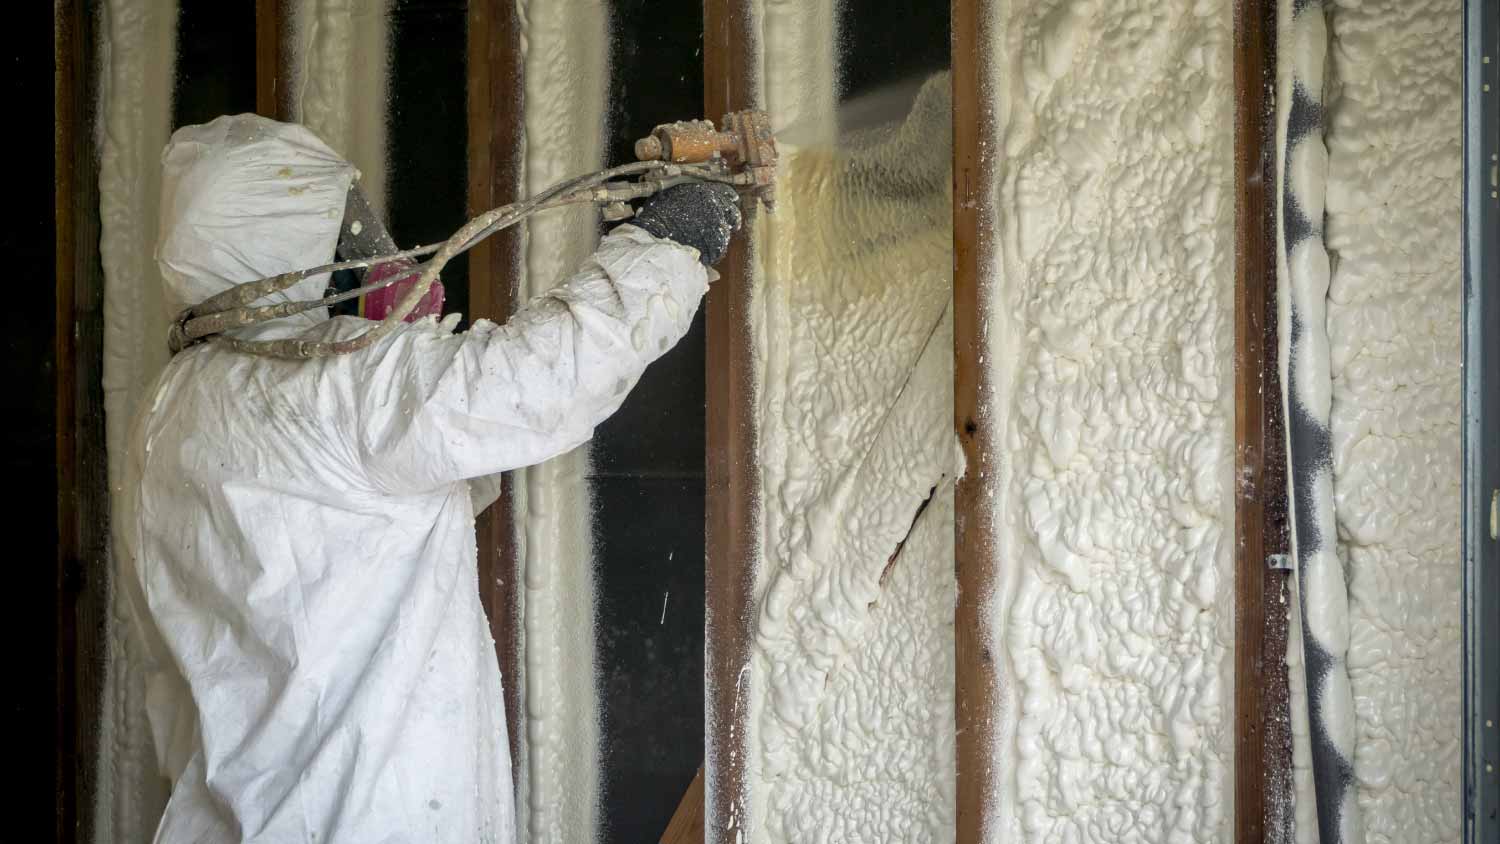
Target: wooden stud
976, 684
686, 826
1262, 732
272, 94
731, 481
495, 97
82, 486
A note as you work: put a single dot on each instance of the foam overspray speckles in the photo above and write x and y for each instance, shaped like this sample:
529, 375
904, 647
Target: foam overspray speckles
1114, 288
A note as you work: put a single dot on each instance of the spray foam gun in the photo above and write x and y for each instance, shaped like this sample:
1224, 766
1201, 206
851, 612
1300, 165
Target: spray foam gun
742, 154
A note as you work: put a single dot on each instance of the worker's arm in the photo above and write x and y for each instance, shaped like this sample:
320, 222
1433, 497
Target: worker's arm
439, 409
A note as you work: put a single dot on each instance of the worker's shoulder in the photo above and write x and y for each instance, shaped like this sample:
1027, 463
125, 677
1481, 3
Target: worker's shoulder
222, 378
235, 376
212, 378
219, 415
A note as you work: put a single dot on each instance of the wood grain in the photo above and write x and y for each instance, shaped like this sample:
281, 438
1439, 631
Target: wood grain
82, 490
731, 475
495, 99
686, 826
1262, 730
976, 681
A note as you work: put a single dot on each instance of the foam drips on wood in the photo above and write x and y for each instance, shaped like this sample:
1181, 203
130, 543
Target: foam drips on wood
1115, 292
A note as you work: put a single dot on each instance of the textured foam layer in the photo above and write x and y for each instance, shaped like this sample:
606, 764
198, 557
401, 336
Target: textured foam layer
851, 722
137, 62
565, 47
339, 77
1114, 294
1394, 203
799, 68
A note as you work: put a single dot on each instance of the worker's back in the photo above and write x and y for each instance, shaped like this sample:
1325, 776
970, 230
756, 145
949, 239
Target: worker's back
323, 669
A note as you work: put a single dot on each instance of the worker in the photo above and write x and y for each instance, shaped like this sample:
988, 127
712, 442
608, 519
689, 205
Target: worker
299, 535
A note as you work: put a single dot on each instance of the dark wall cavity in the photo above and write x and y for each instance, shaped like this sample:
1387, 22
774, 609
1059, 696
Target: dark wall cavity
215, 61
427, 132
887, 41
29, 404
648, 486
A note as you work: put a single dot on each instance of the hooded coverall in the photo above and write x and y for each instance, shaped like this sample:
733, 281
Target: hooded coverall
299, 536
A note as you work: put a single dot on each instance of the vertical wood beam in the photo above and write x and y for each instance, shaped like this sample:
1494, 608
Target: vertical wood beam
1262, 732
976, 684
731, 477
272, 91
495, 98
82, 491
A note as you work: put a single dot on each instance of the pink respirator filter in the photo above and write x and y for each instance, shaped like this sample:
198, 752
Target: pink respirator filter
377, 304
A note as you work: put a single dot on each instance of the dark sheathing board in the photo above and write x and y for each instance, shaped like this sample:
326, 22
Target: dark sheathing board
215, 61
427, 132
647, 480
887, 41
35, 699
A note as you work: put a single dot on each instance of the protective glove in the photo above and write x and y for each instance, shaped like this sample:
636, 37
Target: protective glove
703, 215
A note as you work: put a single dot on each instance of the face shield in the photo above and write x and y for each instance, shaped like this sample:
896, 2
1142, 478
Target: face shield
362, 236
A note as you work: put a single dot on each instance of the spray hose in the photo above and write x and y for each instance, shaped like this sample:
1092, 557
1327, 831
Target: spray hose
234, 308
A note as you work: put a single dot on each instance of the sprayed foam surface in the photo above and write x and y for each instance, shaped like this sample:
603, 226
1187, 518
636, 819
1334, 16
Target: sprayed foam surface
799, 68
1394, 224
1114, 294
565, 48
137, 61
851, 719
340, 82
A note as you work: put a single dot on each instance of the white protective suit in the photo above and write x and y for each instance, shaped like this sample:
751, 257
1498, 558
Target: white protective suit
300, 535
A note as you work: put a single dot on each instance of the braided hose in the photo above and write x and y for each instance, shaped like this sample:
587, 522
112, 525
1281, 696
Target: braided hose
207, 321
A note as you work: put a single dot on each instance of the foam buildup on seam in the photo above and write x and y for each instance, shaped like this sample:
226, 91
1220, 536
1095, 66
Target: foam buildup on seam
851, 721
1394, 225
1115, 232
136, 67
565, 52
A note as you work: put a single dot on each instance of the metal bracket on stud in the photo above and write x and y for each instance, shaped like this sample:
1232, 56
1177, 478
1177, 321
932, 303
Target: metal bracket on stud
1279, 562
